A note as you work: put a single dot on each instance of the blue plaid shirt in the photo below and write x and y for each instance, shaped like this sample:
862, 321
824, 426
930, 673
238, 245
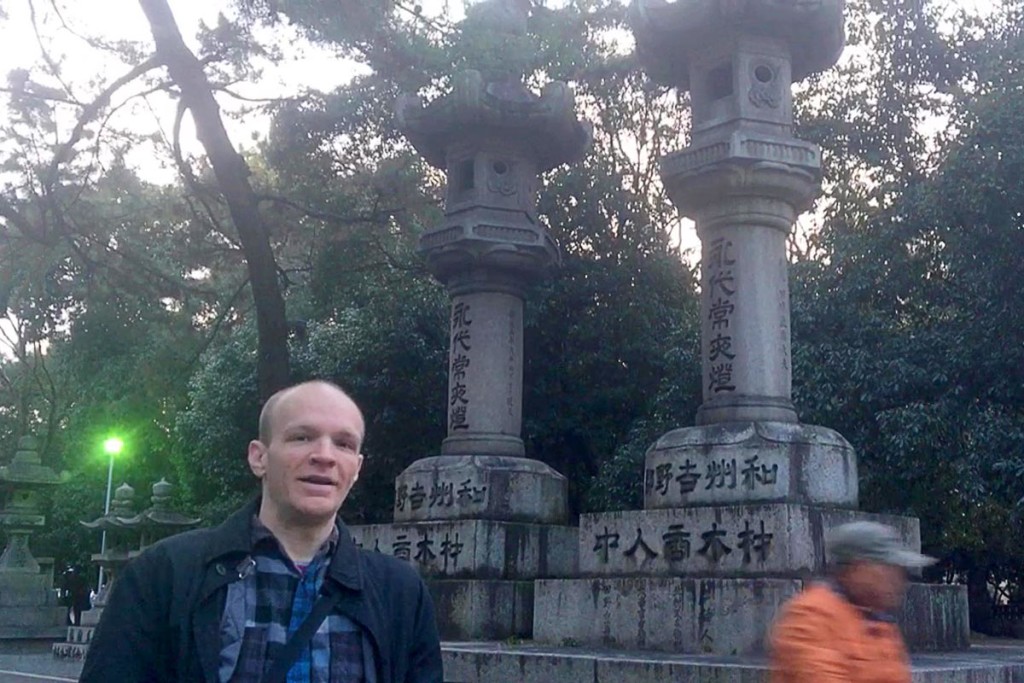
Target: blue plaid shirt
263, 609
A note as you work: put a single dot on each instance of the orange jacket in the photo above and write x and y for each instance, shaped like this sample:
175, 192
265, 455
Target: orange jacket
820, 637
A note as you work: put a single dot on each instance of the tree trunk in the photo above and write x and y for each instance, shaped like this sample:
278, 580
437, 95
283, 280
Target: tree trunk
232, 175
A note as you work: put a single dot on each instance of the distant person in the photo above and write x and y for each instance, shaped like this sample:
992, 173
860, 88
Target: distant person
233, 603
843, 630
77, 594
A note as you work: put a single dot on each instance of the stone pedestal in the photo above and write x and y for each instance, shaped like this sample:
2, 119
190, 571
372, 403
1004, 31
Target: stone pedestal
29, 608
481, 487
481, 549
755, 541
480, 571
750, 461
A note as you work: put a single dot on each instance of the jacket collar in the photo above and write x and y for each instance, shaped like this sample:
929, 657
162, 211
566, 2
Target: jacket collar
234, 537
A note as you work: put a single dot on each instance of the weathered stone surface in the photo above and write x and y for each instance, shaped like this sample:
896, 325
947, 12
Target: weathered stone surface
750, 461
671, 36
28, 607
532, 663
713, 616
476, 548
481, 487
935, 618
473, 609
771, 540
720, 616
485, 381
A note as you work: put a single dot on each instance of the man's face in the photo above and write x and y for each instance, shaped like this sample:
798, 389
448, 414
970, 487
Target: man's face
876, 586
313, 456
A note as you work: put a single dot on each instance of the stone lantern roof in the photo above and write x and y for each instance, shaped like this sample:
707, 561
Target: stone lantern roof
160, 514
490, 101
669, 35
122, 506
544, 125
26, 468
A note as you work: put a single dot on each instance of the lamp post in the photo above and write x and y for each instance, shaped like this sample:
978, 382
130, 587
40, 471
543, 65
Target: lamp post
111, 447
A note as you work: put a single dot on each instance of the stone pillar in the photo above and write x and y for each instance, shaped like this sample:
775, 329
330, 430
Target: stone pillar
738, 507
485, 374
480, 520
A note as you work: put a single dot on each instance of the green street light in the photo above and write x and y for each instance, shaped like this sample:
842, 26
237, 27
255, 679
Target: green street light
112, 446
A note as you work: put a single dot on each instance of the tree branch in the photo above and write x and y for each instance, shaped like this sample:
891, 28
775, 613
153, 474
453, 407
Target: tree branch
89, 113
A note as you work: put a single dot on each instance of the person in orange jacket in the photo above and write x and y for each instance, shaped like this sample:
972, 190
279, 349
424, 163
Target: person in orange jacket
842, 630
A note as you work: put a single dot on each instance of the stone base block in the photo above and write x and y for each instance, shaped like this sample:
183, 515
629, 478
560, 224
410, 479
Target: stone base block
750, 462
531, 663
935, 618
33, 619
772, 540
719, 616
491, 487
25, 590
92, 616
477, 549
493, 610
714, 616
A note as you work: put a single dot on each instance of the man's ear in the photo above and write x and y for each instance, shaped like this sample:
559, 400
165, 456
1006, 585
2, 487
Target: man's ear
257, 458
358, 469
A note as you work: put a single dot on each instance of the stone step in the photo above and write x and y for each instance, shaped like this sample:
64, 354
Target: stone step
752, 540
70, 651
713, 616
478, 549
80, 634
490, 662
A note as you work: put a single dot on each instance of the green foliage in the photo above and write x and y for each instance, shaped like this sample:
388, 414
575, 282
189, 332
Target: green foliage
906, 324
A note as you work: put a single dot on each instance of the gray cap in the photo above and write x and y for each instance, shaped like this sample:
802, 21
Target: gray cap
872, 542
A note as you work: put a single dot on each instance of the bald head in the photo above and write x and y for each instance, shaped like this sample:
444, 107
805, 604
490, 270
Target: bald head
270, 408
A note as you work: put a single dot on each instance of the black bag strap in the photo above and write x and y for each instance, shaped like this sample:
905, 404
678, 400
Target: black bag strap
288, 654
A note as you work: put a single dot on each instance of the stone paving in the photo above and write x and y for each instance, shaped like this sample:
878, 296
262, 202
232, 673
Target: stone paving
492, 662
488, 662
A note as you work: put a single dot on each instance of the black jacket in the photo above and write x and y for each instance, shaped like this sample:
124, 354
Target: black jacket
162, 622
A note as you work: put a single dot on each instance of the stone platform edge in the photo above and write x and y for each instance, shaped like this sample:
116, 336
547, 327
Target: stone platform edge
497, 662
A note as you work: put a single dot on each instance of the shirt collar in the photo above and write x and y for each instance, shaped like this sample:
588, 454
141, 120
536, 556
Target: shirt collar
263, 538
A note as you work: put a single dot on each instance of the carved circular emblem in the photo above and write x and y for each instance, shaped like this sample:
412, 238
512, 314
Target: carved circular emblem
501, 179
764, 85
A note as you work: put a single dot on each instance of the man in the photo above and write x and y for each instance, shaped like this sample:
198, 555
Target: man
219, 605
78, 595
843, 630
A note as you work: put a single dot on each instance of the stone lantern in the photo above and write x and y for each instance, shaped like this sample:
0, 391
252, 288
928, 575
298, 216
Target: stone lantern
480, 519
28, 603
493, 138
739, 506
